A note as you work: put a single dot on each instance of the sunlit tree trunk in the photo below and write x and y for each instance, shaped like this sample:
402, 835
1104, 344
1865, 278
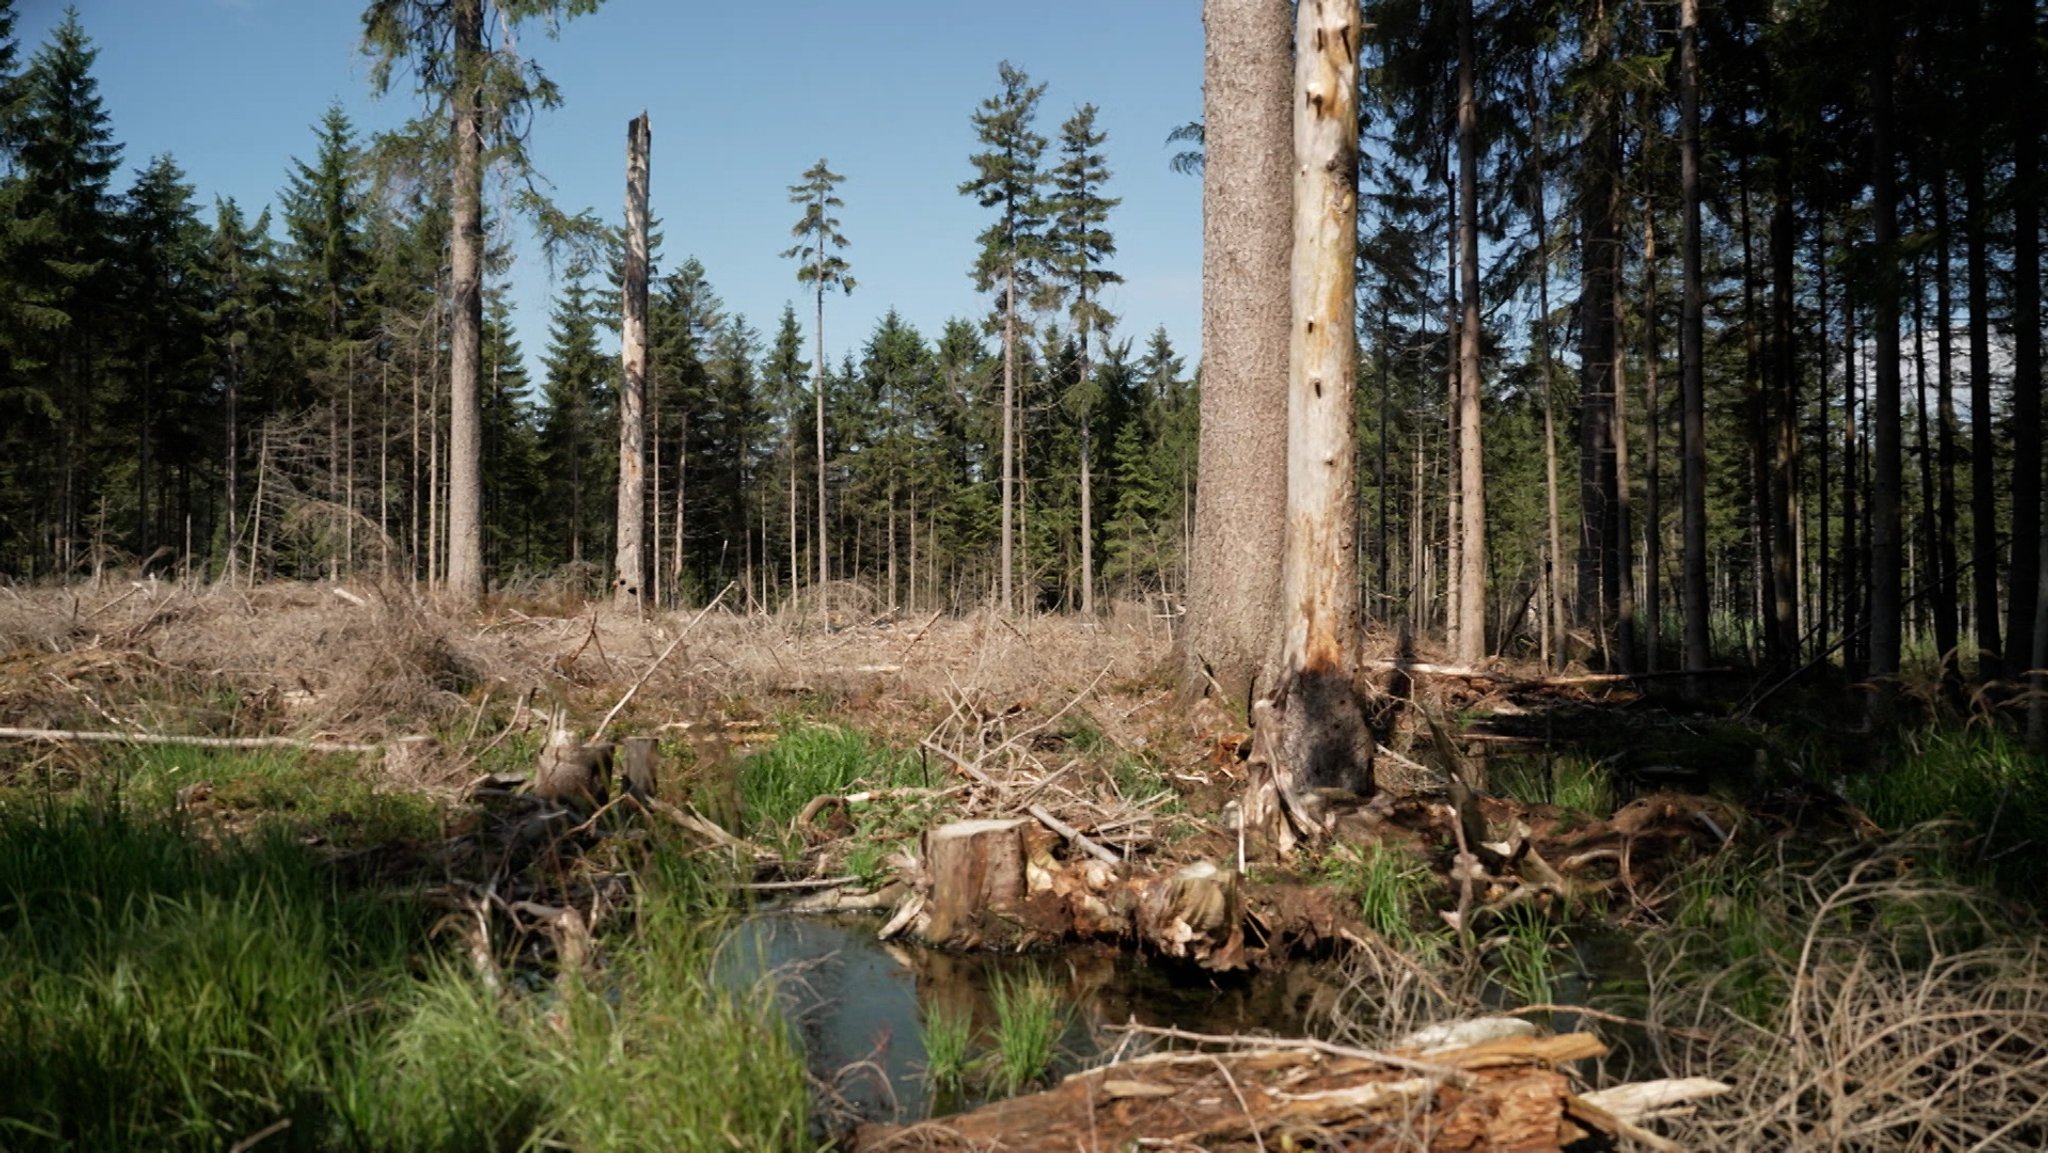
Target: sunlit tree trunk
630, 568
1471, 575
1314, 738
1241, 494
465, 343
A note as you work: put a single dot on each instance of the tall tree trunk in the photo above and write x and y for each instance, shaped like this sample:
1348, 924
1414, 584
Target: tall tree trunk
1691, 369
1553, 561
1009, 434
1622, 527
465, 343
1784, 618
1653, 422
1599, 578
1241, 493
1885, 552
1983, 426
818, 399
2022, 37
1947, 626
1316, 738
629, 570
1471, 459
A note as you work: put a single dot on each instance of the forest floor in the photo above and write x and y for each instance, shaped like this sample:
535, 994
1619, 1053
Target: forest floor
1744, 893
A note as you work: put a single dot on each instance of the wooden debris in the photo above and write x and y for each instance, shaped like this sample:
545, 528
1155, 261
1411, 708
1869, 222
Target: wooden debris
63, 736
1507, 1094
977, 877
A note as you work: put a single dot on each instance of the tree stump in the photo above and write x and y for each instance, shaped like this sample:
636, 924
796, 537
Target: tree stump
640, 756
1195, 913
573, 774
977, 875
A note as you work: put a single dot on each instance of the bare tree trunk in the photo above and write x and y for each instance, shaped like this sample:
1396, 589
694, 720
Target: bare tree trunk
232, 472
630, 568
1784, 619
1983, 425
1241, 491
1315, 738
1692, 377
1947, 627
1471, 459
1553, 563
1885, 550
1653, 421
1623, 542
1009, 432
2022, 36
465, 443
818, 399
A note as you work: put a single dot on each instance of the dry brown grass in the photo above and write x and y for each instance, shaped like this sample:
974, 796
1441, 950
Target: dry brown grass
1901, 1014
298, 658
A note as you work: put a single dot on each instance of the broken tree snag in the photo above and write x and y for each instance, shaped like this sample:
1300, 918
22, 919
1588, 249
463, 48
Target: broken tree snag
1311, 743
630, 567
977, 882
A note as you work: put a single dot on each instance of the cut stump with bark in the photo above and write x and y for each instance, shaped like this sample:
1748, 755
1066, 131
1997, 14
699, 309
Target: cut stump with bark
978, 881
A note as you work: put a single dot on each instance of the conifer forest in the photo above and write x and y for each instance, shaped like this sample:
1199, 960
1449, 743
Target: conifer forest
1557, 660
1758, 332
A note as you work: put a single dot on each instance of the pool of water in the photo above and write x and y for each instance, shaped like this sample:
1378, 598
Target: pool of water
856, 1002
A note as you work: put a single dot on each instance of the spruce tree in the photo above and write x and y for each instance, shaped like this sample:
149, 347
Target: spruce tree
161, 274
67, 162
1013, 252
1079, 244
488, 95
819, 240
574, 400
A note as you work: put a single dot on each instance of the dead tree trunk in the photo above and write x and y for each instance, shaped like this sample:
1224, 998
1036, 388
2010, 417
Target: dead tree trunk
1313, 738
629, 573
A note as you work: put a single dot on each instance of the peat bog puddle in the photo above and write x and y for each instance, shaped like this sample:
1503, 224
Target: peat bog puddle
857, 1004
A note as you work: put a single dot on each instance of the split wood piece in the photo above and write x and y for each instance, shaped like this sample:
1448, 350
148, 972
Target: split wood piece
87, 736
1196, 913
977, 871
1505, 1094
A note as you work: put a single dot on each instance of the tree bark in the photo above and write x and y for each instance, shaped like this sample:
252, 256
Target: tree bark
1471, 459
1553, 564
465, 342
1784, 617
1599, 583
818, 399
1241, 494
630, 568
2022, 38
1983, 425
1692, 378
1653, 421
1885, 552
1314, 738
1009, 434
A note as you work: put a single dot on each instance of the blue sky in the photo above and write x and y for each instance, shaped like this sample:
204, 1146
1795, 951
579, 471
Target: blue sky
743, 95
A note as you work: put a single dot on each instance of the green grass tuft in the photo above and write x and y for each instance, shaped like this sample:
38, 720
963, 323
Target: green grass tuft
948, 1046
1393, 889
1575, 783
812, 761
1029, 1020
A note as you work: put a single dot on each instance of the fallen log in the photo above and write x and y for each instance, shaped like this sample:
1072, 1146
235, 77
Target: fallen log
87, 736
1507, 1093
